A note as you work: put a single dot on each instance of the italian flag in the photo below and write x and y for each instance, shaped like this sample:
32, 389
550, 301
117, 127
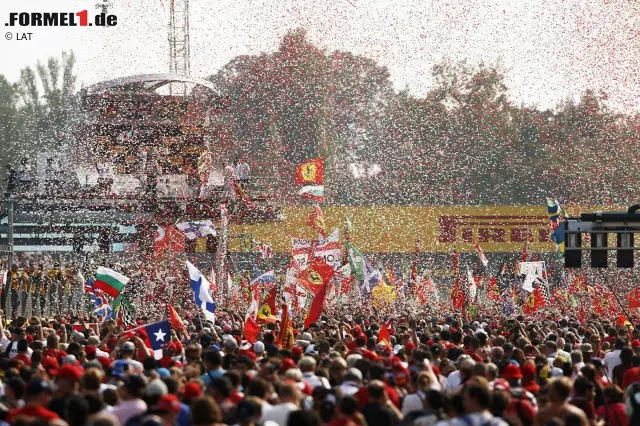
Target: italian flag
110, 281
315, 192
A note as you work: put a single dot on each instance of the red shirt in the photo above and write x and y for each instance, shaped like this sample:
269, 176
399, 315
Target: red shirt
363, 396
614, 414
24, 358
630, 376
532, 387
32, 411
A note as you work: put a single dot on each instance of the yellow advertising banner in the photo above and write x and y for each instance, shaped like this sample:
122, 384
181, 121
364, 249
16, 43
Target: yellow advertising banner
396, 228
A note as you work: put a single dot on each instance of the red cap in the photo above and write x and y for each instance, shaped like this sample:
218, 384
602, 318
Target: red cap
287, 364
105, 361
191, 390
68, 371
168, 403
50, 362
511, 371
29, 338
249, 353
635, 343
409, 347
296, 351
528, 370
90, 350
501, 384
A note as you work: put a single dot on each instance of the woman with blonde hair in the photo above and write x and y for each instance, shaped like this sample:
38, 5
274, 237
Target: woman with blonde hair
418, 400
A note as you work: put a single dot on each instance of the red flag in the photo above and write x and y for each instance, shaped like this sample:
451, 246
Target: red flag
457, 296
316, 221
316, 306
251, 329
624, 322
267, 309
175, 321
534, 302
634, 298
383, 336
316, 275
310, 172
168, 239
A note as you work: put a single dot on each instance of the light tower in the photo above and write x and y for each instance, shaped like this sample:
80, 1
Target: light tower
179, 52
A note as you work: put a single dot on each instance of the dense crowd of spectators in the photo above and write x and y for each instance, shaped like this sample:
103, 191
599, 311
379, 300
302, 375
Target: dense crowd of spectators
431, 371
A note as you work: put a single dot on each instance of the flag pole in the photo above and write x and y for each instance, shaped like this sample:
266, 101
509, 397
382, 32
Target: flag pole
606, 280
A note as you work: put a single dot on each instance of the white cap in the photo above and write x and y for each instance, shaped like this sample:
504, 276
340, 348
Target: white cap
354, 372
258, 347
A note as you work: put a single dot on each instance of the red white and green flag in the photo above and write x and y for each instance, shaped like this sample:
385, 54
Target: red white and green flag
110, 281
315, 192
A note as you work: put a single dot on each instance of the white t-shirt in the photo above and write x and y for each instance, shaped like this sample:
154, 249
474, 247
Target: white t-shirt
280, 413
413, 402
14, 347
611, 361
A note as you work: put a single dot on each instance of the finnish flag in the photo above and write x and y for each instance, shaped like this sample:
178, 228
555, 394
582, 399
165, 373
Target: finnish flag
202, 292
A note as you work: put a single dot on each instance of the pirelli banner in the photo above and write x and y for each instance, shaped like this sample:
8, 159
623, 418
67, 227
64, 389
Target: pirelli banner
396, 228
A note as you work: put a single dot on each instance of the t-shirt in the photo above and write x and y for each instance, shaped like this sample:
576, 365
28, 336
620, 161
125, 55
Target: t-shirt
630, 376
206, 378
30, 411
614, 414
379, 415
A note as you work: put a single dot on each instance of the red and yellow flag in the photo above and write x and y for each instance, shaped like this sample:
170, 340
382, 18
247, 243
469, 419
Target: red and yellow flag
267, 309
315, 276
285, 335
316, 221
634, 298
310, 172
383, 336
534, 302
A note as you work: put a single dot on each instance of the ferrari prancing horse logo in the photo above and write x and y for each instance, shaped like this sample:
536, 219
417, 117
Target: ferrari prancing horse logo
309, 172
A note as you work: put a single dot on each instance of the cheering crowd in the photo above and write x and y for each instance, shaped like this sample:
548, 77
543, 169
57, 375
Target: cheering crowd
340, 370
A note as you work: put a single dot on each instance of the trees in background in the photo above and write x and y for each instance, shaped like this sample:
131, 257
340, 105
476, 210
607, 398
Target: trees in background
36, 112
464, 142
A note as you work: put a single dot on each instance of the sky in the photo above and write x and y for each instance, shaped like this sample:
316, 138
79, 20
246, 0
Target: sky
550, 50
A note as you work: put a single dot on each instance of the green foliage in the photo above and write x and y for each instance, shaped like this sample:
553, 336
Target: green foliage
35, 112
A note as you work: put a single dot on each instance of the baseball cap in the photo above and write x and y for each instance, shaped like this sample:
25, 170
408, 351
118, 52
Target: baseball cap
230, 343
512, 371
258, 347
191, 390
355, 373
501, 384
168, 402
128, 347
37, 386
68, 371
90, 350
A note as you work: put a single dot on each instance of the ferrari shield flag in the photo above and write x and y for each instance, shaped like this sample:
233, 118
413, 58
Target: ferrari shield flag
316, 275
310, 172
316, 221
267, 309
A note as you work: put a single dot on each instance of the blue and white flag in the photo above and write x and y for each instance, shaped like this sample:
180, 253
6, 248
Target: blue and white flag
202, 292
266, 278
193, 230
